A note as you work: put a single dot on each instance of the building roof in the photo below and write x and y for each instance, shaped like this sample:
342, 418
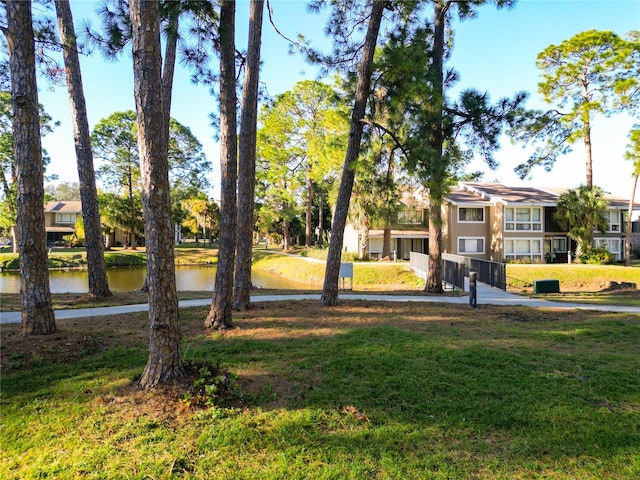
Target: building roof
458, 195
71, 206
498, 193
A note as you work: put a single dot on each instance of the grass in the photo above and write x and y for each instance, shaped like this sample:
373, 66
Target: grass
366, 276
573, 278
363, 390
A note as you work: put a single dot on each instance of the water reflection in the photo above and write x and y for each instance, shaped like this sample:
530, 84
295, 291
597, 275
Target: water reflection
188, 278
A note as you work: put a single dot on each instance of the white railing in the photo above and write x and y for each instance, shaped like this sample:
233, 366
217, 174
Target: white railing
419, 263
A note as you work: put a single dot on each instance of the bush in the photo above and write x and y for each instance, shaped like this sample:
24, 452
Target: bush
596, 256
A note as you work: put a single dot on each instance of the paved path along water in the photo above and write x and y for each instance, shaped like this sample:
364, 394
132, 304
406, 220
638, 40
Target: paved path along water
485, 295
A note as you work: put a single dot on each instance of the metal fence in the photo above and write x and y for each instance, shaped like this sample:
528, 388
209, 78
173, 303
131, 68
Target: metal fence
453, 273
456, 267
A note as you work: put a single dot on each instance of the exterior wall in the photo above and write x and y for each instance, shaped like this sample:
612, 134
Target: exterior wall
350, 239
468, 232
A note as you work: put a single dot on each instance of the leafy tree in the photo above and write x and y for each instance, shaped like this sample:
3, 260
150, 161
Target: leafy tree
579, 78
220, 313
581, 211
164, 364
203, 214
247, 160
8, 186
121, 213
188, 165
37, 313
62, 191
114, 141
633, 155
413, 70
627, 83
302, 137
96, 266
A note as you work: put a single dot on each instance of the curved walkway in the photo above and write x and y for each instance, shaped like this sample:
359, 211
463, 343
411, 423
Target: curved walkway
485, 295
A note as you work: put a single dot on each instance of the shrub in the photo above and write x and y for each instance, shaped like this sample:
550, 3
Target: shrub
597, 256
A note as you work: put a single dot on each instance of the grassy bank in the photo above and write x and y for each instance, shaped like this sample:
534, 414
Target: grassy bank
373, 390
573, 278
366, 276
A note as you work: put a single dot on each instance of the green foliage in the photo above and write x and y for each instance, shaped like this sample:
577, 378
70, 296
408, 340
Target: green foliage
114, 259
587, 75
301, 142
115, 143
596, 256
63, 192
212, 386
580, 212
8, 192
201, 214
9, 261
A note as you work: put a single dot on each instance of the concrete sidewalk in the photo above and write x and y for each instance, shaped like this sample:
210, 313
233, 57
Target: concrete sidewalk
486, 295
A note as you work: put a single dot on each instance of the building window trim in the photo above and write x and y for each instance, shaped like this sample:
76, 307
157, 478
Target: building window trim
66, 218
608, 242
480, 209
515, 221
515, 253
462, 245
410, 217
615, 214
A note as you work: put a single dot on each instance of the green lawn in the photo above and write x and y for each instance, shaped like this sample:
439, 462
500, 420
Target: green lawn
573, 277
360, 391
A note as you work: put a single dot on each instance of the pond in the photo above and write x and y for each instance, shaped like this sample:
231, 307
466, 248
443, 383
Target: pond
188, 278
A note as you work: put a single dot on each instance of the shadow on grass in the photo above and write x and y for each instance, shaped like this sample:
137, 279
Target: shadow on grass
419, 389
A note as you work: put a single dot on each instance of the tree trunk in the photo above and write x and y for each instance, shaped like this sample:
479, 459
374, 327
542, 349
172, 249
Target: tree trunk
37, 313
627, 235
164, 364
364, 240
321, 220
332, 272
309, 202
96, 266
286, 235
437, 182
169, 68
167, 81
220, 314
386, 240
247, 162
434, 277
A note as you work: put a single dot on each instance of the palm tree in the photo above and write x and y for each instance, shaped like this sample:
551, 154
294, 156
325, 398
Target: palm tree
581, 211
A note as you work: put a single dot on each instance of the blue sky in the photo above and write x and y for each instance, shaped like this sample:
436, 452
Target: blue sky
495, 52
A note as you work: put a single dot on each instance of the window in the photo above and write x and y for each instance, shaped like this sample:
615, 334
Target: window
66, 218
470, 245
613, 220
611, 244
523, 249
523, 219
471, 214
410, 217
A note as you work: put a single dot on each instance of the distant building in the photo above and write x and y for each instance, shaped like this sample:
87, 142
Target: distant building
60, 219
494, 222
